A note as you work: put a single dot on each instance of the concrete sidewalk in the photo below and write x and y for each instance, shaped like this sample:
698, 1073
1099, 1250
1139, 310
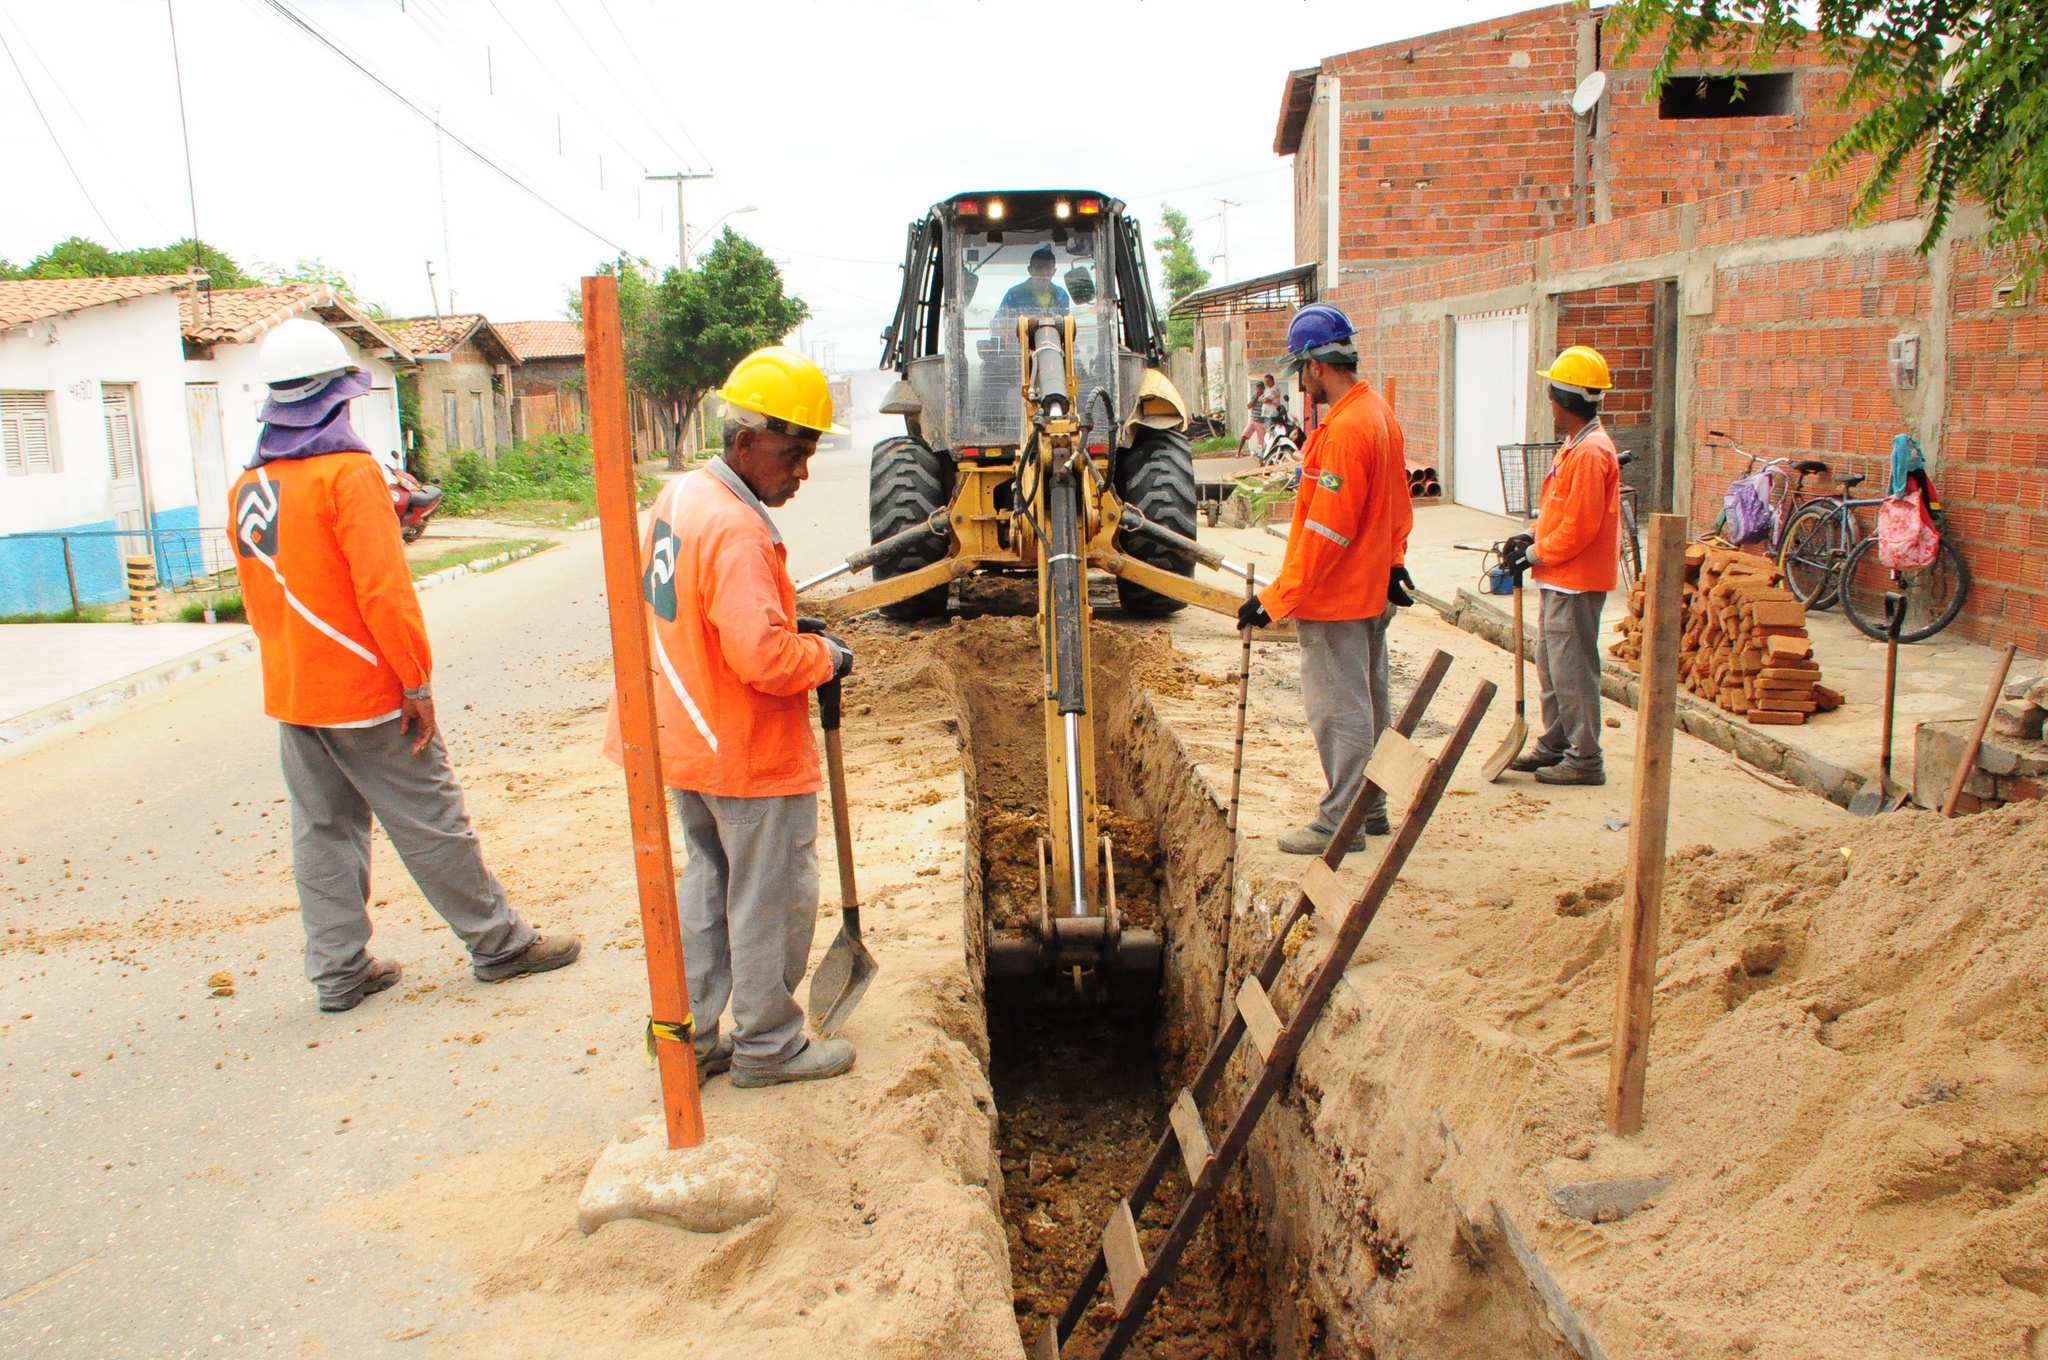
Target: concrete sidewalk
42, 664
1940, 679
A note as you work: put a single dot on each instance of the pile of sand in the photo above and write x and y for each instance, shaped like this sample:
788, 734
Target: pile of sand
1848, 1090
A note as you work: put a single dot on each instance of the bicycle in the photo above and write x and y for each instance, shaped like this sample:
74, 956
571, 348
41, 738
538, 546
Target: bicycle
1934, 593
1630, 541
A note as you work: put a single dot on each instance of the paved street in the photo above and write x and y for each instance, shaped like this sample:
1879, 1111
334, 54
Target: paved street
185, 1175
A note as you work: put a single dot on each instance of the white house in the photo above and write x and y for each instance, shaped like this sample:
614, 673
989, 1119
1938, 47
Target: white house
129, 404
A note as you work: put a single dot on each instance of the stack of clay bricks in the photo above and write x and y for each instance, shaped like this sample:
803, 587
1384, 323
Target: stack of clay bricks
1745, 647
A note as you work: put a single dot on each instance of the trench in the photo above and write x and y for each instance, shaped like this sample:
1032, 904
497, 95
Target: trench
1082, 1092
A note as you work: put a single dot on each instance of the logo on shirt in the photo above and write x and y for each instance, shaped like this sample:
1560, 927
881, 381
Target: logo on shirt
1329, 481
658, 586
257, 511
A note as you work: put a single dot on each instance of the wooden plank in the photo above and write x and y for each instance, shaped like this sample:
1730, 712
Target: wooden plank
640, 731
1649, 821
1399, 766
1259, 1016
1189, 1133
1126, 1258
1568, 1321
1319, 881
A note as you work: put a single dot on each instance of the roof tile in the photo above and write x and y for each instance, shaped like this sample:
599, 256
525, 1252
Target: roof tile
24, 300
543, 339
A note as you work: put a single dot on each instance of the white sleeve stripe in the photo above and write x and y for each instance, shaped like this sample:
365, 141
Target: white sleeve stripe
1327, 532
689, 705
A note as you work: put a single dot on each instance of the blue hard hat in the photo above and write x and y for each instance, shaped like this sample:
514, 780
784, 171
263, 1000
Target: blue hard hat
1316, 327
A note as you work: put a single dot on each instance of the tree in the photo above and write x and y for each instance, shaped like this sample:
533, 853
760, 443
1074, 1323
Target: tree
317, 270
1184, 272
1954, 92
80, 258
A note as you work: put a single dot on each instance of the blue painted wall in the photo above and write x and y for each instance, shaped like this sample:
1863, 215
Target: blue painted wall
32, 569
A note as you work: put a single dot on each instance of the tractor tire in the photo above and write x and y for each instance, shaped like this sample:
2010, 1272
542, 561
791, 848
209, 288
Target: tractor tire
1156, 476
906, 482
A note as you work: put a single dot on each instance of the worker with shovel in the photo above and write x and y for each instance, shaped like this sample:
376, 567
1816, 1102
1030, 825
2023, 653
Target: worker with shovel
1343, 570
1574, 557
736, 668
346, 673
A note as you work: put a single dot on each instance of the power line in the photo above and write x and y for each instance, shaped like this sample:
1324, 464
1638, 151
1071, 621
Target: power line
61, 153
605, 67
652, 83
185, 131
296, 20
564, 86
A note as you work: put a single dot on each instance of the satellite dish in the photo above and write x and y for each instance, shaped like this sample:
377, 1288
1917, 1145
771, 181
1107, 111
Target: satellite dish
1588, 94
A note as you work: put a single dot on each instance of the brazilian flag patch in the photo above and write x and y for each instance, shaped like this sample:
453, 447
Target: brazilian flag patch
1329, 481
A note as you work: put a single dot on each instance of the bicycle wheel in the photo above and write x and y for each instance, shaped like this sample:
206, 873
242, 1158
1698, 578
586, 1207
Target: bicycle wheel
1629, 554
1934, 594
1811, 554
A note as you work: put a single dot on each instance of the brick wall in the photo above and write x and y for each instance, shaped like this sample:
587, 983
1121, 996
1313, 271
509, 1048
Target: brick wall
1619, 322
1464, 140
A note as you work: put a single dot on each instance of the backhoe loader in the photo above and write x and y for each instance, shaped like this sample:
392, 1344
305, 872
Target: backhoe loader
1041, 438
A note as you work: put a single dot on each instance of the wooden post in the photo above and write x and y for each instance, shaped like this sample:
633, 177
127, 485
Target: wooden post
70, 576
611, 441
1976, 742
1628, 1059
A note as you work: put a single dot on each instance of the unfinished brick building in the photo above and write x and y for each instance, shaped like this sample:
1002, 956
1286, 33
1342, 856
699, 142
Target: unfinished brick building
1480, 225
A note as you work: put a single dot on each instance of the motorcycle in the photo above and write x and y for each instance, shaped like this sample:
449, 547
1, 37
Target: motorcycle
415, 501
1283, 442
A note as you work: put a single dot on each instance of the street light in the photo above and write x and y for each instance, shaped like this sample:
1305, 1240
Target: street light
706, 232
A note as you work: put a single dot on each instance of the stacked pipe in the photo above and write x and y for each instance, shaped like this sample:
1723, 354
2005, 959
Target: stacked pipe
1422, 481
1745, 646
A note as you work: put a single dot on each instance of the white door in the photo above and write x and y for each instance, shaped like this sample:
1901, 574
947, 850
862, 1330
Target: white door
124, 461
209, 470
1490, 403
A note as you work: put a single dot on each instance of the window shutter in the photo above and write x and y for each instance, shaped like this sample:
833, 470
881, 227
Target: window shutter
25, 431
120, 433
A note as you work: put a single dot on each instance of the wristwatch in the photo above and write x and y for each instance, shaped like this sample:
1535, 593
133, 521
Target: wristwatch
423, 692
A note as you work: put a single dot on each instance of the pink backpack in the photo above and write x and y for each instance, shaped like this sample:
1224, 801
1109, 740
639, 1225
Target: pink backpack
1906, 537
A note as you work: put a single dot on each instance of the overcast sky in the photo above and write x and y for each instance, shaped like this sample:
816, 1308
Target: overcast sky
837, 122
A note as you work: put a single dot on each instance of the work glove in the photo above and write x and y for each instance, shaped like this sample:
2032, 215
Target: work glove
842, 655
1399, 583
1252, 614
1514, 554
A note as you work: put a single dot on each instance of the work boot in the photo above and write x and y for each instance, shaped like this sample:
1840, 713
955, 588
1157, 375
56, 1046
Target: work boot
1534, 759
1376, 824
715, 1059
1309, 841
1572, 774
383, 975
544, 955
815, 1061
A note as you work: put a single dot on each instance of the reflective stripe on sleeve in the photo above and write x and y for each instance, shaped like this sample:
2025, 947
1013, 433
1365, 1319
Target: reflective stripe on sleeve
1327, 532
675, 682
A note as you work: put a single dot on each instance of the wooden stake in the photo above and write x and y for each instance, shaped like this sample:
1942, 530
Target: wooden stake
633, 670
1969, 762
1656, 713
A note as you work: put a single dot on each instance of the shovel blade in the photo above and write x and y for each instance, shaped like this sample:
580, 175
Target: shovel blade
1869, 800
1518, 736
839, 982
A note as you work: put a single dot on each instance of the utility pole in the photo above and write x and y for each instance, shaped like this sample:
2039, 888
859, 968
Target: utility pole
682, 238
1227, 205
432, 291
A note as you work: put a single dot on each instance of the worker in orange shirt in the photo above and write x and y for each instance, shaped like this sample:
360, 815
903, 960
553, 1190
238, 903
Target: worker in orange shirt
346, 673
734, 671
1573, 556
1343, 571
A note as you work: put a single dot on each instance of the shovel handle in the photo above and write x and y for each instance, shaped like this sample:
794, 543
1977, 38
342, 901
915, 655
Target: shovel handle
835, 777
1519, 701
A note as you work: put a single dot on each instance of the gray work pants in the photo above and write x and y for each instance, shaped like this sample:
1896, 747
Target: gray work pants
1344, 689
748, 901
338, 777
1568, 669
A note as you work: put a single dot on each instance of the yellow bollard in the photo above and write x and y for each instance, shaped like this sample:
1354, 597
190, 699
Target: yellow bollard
142, 592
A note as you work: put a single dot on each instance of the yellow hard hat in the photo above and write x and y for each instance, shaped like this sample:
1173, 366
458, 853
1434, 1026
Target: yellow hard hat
782, 384
1580, 366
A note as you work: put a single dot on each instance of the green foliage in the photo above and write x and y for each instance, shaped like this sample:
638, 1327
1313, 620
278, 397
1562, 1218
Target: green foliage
92, 613
1221, 444
686, 331
1184, 272
1984, 136
546, 479
317, 270
79, 258
226, 609
474, 552
412, 431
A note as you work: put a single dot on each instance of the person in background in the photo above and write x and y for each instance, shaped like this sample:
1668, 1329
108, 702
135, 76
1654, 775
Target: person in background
347, 674
734, 671
1254, 432
1343, 573
1573, 556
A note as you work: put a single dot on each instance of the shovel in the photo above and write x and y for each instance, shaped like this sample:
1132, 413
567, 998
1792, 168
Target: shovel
1875, 796
841, 978
1518, 735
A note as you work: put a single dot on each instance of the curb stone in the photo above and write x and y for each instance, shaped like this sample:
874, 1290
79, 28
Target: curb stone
481, 565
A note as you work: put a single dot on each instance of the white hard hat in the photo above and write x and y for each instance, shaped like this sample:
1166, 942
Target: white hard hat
300, 349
